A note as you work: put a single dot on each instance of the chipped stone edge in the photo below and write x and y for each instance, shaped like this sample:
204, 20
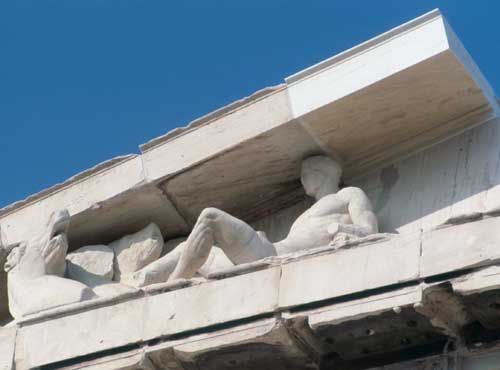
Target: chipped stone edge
73, 308
383, 302
467, 217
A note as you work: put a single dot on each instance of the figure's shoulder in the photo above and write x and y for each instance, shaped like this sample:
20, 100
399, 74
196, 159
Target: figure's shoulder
355, 195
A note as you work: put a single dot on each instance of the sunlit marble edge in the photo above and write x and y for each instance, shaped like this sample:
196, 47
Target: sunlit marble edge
364, 46
212, 116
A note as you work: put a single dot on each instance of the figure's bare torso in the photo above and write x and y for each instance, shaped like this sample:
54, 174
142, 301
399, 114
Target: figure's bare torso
337, 216
311, 228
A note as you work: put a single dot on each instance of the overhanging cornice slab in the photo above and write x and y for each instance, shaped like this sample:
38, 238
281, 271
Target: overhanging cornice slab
393, 95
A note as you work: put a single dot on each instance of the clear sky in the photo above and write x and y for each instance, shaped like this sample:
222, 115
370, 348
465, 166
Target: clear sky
82, 81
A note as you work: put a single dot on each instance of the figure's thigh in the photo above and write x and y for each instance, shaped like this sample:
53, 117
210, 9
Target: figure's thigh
239, 241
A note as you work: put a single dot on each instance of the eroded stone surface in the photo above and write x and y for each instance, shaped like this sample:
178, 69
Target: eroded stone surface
42, 293
255, 346
462, 246
91, 265
34, 272
7, 346
135, 251
350, 270
112, 288
84, 332
207, 304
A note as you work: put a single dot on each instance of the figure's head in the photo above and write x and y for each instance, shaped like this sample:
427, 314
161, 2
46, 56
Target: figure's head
320, 176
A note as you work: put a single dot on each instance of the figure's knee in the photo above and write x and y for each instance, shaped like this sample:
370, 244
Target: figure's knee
210, 213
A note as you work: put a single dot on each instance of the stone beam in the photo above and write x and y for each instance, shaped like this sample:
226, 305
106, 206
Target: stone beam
477, 242
375, 269
7, 346
386, 82
365, 282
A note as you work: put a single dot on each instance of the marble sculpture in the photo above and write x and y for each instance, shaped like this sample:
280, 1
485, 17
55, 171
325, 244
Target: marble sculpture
42, 275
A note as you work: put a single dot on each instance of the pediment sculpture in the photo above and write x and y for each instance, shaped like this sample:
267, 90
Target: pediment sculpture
42, 275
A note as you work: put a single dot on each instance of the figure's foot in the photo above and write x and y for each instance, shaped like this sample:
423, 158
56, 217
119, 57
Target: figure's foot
195, 253
58, 223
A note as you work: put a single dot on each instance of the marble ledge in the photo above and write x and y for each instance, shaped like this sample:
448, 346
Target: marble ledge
385, 259
375, 275
353, 329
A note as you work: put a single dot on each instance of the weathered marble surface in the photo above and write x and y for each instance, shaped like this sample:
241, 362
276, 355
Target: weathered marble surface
135, 251
379, 264
36, 269
92, 265
42, 276
363, 292
7, 347
292, 282
457, 177
256, 345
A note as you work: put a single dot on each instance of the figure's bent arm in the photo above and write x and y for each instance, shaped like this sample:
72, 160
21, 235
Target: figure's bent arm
364, 220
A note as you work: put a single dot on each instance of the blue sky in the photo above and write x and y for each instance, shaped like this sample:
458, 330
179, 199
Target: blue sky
82, 81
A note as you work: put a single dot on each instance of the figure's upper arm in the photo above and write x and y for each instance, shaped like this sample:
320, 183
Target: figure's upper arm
360, 209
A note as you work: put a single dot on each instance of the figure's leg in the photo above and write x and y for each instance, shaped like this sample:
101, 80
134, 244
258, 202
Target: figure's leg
239, 241
194, 252
217, 260
160, 270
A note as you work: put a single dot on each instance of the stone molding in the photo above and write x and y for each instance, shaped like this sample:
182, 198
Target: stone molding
181, 309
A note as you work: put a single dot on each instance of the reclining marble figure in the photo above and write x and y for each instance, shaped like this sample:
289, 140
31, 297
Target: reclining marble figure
42, 275
337, 214
35, 272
